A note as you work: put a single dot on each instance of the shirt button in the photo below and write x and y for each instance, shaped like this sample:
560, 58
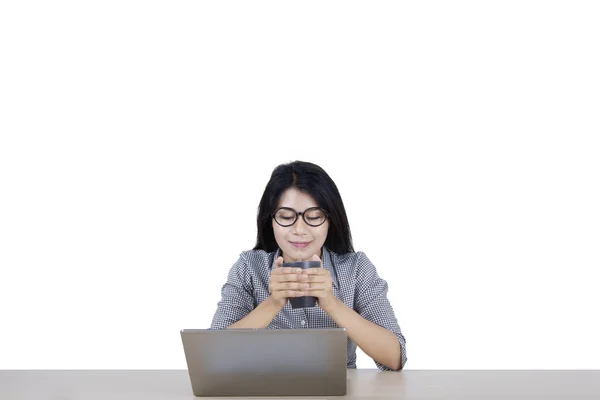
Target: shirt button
303, 322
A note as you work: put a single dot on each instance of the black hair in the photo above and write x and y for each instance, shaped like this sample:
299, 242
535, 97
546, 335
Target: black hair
311, 179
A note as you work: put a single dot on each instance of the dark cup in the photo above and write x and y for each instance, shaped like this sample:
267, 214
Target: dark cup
304, 301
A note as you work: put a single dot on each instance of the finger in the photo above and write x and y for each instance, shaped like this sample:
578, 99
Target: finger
316, 258
286, 270
278, 262
290, 293
324, 279
315, 271
290, 286
287, 278
313, 278
319, 279
318, 286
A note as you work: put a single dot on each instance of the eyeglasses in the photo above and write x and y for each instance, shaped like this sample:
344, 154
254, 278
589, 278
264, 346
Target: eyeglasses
314, 216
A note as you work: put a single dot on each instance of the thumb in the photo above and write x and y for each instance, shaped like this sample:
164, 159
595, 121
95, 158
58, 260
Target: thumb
278, 262
316, 258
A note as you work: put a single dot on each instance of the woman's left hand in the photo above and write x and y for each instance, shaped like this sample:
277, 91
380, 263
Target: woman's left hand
320, 284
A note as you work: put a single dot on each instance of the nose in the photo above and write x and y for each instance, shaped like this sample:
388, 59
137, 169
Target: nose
300, 227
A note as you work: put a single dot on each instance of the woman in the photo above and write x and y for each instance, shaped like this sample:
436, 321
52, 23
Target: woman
301, 216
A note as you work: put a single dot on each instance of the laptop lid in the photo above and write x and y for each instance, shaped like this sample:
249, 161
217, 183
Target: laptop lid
266, 362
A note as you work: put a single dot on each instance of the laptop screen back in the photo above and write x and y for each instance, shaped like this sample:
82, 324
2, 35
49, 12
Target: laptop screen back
266, 362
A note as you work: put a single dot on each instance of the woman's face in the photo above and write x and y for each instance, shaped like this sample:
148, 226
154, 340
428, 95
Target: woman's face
300, 241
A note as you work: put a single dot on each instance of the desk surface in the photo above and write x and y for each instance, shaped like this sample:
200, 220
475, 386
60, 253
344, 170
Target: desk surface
362, 384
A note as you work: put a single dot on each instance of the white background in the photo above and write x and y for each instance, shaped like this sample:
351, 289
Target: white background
137, 138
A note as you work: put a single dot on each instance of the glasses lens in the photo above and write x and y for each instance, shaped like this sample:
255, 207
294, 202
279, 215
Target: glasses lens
285, 217
314, 216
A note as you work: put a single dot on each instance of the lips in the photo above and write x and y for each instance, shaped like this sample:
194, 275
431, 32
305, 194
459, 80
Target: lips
299, 245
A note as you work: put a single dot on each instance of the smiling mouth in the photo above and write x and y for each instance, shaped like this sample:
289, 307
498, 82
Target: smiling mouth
300, 245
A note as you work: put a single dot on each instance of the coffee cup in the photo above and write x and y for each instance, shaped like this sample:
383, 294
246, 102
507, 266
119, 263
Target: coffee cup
304, 301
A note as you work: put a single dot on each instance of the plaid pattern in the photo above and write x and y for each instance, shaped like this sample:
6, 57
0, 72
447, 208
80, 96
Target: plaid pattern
355, 282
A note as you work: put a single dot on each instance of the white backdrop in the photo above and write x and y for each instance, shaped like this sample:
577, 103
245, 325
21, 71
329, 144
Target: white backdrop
137, 138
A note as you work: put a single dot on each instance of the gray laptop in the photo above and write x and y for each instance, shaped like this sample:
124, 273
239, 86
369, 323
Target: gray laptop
266, 362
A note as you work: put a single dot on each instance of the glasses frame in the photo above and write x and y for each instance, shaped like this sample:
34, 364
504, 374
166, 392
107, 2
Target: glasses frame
302, 214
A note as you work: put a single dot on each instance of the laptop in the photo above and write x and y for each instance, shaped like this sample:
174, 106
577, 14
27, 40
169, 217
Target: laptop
266, 362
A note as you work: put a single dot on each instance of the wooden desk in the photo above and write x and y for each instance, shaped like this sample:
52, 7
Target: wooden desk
362, 384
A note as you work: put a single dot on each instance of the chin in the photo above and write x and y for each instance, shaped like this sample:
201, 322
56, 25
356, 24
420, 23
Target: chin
299, 255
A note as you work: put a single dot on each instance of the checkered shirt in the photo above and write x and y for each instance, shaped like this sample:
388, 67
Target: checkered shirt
355, 282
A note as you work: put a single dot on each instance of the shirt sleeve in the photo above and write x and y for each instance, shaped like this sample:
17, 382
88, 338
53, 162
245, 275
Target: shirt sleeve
371, 303
237, 298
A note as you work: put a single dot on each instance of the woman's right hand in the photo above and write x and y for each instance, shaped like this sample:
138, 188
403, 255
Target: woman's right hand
286, 282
